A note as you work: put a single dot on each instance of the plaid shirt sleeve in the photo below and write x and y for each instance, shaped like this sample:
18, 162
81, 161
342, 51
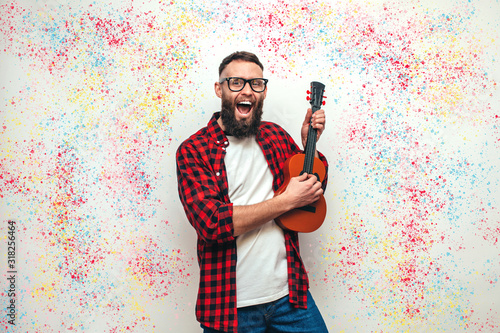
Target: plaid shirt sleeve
203, 190
202, 194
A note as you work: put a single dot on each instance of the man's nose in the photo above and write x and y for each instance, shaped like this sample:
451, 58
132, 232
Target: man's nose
247, 89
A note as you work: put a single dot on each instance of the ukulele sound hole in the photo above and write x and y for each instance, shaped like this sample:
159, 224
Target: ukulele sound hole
310, 209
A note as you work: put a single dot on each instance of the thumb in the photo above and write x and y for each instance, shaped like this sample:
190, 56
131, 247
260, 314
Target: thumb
308, 117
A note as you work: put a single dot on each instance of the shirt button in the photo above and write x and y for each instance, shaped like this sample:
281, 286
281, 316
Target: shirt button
223, 148
226, 143
217, 173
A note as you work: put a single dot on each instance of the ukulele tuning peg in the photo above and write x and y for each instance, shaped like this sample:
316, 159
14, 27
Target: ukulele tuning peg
308, 92
323, 103
308, 98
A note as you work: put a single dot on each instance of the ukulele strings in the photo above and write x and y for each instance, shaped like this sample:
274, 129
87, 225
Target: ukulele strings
309, 153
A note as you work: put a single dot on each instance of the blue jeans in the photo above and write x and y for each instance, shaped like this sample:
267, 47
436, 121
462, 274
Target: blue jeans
279, 316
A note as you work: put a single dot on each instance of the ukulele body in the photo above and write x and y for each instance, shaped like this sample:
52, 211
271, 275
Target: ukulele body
310, 217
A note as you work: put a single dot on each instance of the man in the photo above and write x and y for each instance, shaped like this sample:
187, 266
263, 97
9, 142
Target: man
251, 276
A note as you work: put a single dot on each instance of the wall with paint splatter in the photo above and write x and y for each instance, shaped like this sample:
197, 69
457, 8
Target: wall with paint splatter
95, 97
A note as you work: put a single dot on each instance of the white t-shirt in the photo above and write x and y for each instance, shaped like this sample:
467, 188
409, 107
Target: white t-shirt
261, 269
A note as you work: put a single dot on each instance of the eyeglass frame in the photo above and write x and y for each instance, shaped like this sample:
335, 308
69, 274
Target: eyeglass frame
246, 81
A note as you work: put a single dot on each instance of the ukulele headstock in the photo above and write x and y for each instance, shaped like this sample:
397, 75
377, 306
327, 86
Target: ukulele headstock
315, 95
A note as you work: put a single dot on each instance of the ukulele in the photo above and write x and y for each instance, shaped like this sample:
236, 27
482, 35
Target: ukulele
307, 218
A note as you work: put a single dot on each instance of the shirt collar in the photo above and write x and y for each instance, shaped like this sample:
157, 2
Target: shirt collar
215, 131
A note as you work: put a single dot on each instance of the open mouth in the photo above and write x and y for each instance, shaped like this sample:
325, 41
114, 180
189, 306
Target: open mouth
244, 107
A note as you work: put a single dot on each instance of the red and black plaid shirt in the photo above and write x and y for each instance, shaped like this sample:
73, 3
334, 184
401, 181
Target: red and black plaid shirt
203, 190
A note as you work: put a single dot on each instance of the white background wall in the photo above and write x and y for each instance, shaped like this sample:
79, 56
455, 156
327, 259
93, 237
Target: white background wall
97, 96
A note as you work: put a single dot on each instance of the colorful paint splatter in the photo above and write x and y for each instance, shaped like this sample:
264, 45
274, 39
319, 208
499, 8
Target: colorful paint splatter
96, 96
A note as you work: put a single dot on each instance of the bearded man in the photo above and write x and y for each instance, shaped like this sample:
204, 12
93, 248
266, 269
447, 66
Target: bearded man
252, 278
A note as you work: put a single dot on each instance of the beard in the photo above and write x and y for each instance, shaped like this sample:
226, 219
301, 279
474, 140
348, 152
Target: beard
241, 128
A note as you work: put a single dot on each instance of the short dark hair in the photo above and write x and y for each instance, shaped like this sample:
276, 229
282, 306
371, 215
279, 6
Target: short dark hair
240, 55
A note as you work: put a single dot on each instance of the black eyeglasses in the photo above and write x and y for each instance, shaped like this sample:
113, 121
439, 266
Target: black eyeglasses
237, 83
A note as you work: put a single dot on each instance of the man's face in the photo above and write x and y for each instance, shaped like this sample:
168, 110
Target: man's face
241, 111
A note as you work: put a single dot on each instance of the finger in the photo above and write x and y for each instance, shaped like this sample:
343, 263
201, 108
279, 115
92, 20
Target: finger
319, 113
313, 179
318, 193
318, 118
302, 177
311, 176
319, 127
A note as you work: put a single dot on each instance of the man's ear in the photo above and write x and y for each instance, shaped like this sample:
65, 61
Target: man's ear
218, 89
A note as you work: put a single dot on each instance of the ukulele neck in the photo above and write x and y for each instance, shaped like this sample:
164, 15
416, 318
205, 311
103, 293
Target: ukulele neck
310, 150
316, 98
